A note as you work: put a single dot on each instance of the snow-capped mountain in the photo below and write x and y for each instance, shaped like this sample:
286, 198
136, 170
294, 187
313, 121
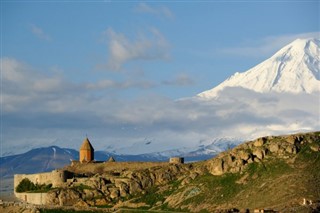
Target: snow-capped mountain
293, 69
199, 151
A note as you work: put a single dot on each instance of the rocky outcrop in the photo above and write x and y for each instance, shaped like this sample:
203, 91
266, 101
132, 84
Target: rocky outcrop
64, 197
102, 189
237, 159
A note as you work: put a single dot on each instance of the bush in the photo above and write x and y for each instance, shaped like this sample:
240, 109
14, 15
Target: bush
26, 186
82, 187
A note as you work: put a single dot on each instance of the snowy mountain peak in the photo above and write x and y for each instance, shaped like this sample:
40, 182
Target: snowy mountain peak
293, 69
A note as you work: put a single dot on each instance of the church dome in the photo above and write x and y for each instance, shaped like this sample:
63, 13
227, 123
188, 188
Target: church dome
86, 153
86, 145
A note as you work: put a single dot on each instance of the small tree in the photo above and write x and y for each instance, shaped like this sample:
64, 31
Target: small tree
25, 185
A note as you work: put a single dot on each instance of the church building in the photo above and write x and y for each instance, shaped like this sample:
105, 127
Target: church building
86, 153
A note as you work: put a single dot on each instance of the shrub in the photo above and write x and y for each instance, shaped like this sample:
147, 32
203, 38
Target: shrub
82, 187
26, 186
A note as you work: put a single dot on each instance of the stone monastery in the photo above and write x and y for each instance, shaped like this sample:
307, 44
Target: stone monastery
60, 177
57, 178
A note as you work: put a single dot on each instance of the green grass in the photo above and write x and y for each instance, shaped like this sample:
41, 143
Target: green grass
166, 208
217, 188
67, 211
306, 154
152, 196
82, 187
104, 206
223, 189
269, 168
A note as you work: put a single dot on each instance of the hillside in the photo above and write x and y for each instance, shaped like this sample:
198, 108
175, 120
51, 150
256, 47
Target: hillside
46, 159
274, 172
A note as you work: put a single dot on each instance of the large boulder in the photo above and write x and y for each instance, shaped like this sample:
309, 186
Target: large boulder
134, 187
88, 194
52, 197
292, 139
258, 153
260, 142
274, 147
163, 176
315, 147
68, 197
291, 149
123, 188
216, 166
244, 155
114, 193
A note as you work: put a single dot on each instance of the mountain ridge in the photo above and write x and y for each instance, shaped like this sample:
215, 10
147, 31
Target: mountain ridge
295, 68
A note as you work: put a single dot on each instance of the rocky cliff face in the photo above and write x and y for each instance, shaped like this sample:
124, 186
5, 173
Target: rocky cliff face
218, 183
237, 159
110, 187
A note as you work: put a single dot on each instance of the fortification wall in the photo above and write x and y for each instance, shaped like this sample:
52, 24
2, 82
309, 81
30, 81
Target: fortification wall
34, 198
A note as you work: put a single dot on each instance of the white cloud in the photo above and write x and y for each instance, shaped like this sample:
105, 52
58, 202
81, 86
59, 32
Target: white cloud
267, 46
160, 11
48, 84
179, 80
122, 50
13, 70
57, 108
110, 84
38, 32
102, 84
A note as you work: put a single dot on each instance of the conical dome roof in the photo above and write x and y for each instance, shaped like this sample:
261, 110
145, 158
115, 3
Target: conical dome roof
86, 145
111, 159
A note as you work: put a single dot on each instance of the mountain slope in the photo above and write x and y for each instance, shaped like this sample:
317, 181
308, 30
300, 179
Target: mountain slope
294, 69
36, 160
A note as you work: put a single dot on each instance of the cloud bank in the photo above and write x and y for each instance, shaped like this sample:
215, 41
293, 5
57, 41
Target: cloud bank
41, 110
147, 46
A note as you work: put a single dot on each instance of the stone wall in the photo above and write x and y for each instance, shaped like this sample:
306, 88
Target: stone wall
176, 160
34, 198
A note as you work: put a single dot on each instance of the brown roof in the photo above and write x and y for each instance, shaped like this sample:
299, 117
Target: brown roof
86, 145
111, 159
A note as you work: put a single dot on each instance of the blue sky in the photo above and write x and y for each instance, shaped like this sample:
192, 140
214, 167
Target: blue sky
122, 51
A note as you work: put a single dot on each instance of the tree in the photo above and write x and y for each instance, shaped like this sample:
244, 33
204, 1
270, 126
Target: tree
25, 185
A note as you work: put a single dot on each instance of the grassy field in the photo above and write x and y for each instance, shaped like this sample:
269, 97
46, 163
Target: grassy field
274, 183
